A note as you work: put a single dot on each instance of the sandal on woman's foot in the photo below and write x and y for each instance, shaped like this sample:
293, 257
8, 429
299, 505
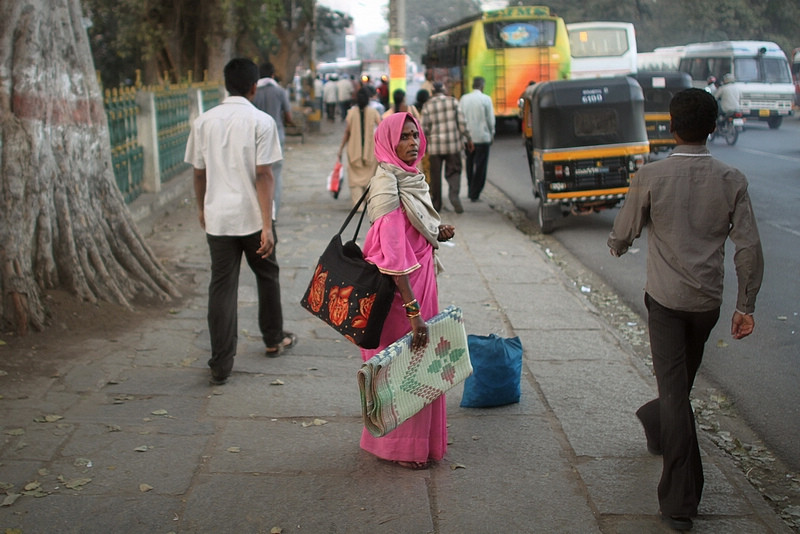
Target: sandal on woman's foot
289, 340
413, 465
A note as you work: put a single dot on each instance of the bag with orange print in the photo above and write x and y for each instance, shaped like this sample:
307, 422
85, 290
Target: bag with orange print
347, 292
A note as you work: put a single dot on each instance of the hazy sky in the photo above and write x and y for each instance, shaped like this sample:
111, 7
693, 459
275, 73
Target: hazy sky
369, 15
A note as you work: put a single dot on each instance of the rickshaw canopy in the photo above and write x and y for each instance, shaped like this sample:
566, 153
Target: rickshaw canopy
584, 113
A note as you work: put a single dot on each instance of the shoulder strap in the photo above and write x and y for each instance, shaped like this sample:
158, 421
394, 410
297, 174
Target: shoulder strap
353, 212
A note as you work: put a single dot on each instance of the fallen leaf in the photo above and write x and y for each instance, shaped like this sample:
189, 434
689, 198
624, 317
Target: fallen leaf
11, 499
457, 466
159, 412
234, 449
77, 482
721, 344
43, 472
782, 317
143, 448
276, 382
52, 418
30, 486
15, 431
82, 462
276, 530
113, 428
144, 488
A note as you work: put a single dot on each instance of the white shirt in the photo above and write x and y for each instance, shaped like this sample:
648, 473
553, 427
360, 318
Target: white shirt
229, 141
479, 112
729, 95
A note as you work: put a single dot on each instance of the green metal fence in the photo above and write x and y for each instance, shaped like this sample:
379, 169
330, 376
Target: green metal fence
127, 155
172, 123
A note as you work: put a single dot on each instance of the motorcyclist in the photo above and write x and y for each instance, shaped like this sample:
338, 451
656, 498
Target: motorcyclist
728, 95
712, 84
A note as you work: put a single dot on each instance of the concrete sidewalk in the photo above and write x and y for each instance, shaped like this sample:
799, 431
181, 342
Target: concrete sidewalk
145, 445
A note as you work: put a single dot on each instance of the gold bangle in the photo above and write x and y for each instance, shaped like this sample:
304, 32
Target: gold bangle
410, 303
412, 315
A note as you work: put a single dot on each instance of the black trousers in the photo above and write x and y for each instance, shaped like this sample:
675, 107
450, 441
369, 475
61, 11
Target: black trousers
452, 173
223, 292
677, 340
477, 163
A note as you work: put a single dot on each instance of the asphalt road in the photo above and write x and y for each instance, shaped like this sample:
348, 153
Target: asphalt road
759, 374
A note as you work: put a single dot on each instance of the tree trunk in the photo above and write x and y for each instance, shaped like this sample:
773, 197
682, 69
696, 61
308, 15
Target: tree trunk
63, 221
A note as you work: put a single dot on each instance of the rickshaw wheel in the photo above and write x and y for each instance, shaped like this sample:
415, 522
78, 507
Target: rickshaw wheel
545, 224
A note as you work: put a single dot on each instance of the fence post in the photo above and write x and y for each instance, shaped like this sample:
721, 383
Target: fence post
148, 138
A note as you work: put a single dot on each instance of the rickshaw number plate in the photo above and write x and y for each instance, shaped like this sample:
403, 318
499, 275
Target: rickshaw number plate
763, 113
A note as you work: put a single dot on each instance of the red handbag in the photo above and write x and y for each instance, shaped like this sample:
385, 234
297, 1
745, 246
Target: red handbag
335, 179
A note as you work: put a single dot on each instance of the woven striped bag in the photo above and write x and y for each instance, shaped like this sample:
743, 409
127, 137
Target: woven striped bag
397, 383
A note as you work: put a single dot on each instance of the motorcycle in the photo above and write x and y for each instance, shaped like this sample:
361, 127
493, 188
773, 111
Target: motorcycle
728, 127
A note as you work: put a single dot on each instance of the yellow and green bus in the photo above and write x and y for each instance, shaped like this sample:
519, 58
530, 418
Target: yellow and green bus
509, 47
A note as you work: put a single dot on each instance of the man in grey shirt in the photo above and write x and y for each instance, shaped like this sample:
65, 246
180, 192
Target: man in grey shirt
691, 203
272, 99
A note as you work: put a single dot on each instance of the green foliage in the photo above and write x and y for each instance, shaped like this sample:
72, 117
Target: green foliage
425, 17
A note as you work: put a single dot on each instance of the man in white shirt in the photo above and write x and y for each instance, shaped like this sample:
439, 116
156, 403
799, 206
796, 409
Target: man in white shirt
232, 148
479, 112
728, 95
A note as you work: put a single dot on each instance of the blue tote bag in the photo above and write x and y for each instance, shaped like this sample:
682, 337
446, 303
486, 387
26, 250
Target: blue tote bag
497, 368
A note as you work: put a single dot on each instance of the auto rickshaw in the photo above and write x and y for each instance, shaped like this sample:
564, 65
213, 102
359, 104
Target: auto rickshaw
659, 87
584, 140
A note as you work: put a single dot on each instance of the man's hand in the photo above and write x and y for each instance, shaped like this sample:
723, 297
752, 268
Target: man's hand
742, 325
267, 243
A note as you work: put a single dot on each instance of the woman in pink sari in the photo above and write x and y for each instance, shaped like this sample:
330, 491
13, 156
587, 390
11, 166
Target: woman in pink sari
401, 241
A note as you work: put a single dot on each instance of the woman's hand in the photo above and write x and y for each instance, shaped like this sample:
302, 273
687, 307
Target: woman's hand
446, 232
419, 338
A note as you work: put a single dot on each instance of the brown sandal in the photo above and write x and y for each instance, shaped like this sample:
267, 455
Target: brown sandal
413, 465
289, 340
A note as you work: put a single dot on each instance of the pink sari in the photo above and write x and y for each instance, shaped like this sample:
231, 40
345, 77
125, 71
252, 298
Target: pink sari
396, 246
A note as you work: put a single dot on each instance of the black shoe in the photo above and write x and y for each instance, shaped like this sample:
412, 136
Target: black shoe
677, 523
217, 380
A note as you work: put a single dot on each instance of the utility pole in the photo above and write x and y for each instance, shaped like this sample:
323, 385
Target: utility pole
397, 53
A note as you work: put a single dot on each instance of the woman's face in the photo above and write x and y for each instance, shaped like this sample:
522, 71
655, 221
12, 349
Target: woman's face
408, 147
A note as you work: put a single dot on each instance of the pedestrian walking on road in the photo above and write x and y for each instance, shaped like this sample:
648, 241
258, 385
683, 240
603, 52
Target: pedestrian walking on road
273, 99
232, 148
359, 139
478, 110
446, 130
330, 96
691, 203
405, 232
344, 88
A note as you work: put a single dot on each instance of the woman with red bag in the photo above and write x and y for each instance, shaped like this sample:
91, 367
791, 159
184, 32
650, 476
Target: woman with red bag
361, 121
405, 232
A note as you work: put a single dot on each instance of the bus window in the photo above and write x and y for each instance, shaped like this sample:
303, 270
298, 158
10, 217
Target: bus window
520, 34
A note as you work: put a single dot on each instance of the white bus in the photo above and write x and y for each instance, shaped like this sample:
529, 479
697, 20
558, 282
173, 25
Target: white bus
600, 49
664, 58
759, 67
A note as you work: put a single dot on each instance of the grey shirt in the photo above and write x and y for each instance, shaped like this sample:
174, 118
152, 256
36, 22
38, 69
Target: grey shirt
691, 203
272, 99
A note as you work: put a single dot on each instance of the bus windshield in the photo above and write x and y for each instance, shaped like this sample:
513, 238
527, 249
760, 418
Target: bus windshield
599, 42
520, 33
767, 70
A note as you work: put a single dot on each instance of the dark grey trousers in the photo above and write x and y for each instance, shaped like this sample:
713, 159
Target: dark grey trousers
223, 291
677, 340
